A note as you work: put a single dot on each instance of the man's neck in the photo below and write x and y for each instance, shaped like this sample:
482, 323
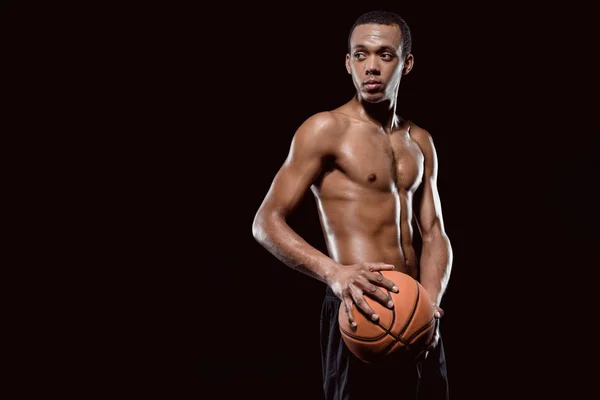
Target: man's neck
383, 114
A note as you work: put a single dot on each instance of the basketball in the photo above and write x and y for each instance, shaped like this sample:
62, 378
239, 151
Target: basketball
405, 328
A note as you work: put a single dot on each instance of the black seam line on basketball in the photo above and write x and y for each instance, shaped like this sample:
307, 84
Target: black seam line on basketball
386, 331
422, 329
399, 339
417, 300
408, 321
412, 314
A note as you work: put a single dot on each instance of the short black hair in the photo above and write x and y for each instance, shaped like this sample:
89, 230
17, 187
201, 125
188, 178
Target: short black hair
383, 17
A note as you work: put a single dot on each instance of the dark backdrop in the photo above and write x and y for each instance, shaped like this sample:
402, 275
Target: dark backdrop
188, 112
487, 85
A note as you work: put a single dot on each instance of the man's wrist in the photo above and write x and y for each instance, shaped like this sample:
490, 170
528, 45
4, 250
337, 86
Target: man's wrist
330, 270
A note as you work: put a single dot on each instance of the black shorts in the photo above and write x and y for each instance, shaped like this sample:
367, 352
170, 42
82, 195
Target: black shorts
345, 377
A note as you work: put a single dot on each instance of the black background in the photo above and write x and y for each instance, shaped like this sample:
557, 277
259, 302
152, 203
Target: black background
183, 116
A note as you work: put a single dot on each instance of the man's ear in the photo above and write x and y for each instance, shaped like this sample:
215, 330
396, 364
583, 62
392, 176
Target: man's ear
348, 63
408, 64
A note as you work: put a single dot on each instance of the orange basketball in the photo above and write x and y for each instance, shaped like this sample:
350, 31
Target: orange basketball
406, 327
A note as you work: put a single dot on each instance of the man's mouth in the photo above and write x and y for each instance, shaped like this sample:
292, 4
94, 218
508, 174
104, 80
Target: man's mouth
372, 84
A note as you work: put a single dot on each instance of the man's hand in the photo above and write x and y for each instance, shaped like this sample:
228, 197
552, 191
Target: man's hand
350, 282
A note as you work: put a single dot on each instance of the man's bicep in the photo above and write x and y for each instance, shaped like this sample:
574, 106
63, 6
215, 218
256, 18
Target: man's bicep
428, 208
308, 152
290, 184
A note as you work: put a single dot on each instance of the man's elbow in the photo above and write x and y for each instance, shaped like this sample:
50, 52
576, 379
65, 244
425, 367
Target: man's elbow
258, 225
434, 232
262, 225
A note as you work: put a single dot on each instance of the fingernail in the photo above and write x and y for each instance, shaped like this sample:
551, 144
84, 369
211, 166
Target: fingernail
353, 323
390, 304
395, 288
374, 317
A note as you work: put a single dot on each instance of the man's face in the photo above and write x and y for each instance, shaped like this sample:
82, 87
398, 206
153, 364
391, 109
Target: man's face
375, 61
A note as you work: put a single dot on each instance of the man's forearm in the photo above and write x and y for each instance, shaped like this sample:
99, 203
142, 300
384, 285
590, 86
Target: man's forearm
273, 233
435, 265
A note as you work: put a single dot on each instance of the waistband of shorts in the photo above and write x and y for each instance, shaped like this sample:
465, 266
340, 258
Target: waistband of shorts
329, 294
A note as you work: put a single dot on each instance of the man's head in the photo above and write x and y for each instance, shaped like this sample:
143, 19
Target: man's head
384, 18
379, 53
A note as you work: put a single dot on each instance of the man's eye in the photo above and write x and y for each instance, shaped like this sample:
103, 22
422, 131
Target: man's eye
387, 56
358, 55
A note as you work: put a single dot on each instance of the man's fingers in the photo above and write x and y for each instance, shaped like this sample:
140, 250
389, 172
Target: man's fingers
380, 267
378, 294
359, 300
347, 301
379, 279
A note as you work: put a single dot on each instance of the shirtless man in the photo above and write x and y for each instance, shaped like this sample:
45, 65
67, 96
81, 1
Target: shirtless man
369, 171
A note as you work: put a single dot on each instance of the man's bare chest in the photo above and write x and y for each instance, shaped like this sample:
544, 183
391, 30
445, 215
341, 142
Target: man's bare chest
381, 161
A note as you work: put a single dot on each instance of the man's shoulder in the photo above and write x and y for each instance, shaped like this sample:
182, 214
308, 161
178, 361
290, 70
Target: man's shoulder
422, 136
322, 124
326, 121
417, 132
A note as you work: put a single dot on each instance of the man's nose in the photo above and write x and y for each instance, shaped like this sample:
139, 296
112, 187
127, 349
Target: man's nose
372, 66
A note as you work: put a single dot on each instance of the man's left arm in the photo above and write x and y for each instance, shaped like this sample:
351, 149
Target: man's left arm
436, 252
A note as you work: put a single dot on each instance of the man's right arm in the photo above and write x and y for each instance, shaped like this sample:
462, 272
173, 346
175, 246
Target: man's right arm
311, 145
